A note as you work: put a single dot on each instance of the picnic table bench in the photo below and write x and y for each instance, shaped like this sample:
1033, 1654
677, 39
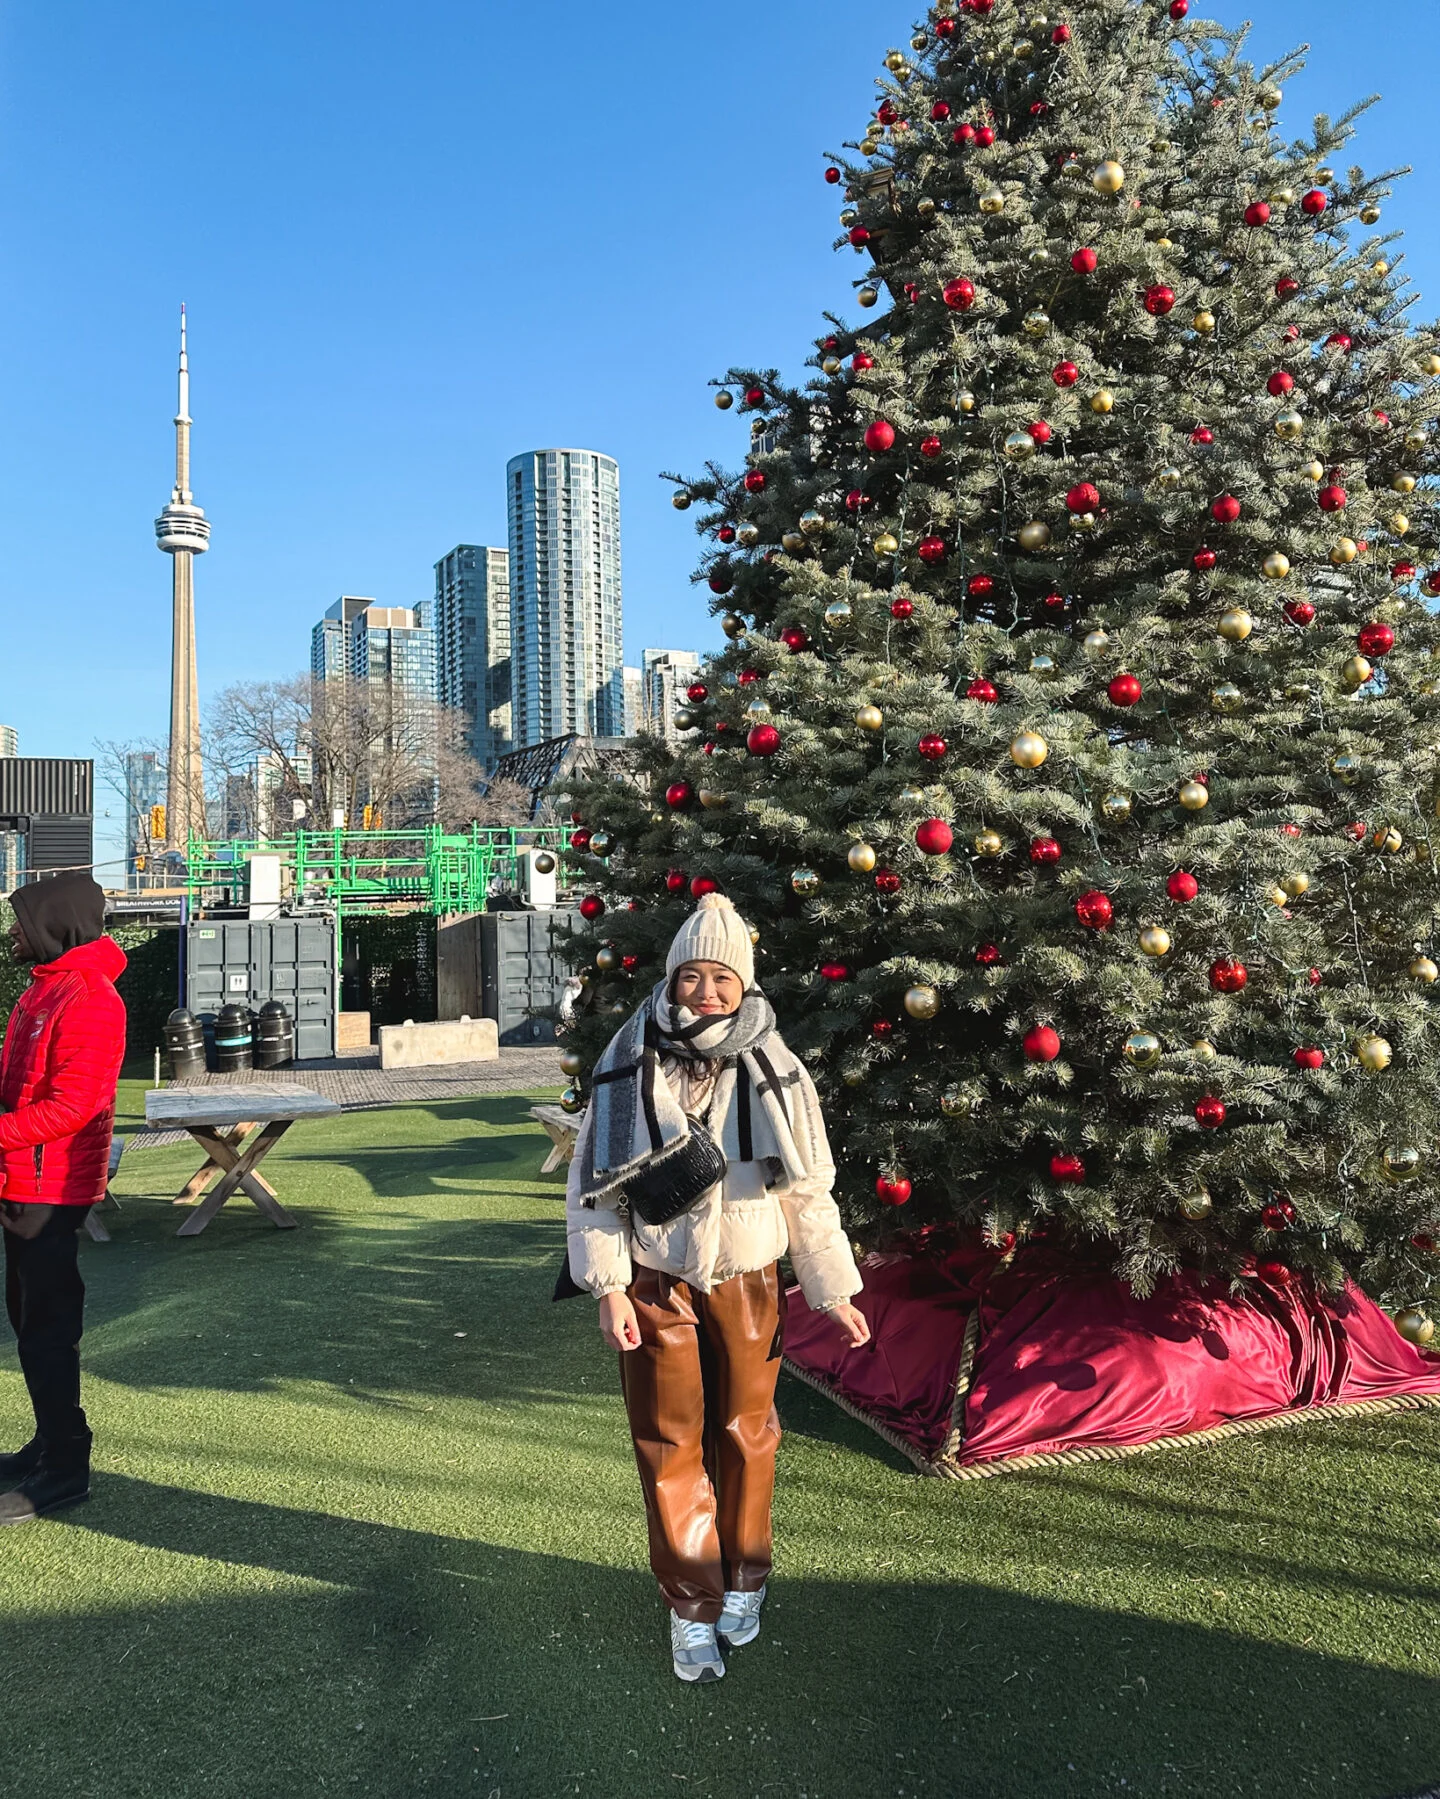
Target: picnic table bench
562, 1128
237, 1127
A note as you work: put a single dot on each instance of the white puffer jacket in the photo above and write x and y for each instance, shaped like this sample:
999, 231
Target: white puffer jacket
757, 1225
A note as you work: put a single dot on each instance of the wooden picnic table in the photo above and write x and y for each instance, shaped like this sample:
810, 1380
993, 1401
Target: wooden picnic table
562, 1128
237, 1127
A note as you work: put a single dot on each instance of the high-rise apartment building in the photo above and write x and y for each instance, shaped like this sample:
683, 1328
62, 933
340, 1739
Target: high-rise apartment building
145, 788
390, 646
665, 676
565, 614
330, 640
470, 616
9, 841
634, 679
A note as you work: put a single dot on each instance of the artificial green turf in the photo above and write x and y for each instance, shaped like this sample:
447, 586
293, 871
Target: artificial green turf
365, 1521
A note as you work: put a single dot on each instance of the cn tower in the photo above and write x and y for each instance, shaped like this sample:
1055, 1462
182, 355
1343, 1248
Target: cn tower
183, 532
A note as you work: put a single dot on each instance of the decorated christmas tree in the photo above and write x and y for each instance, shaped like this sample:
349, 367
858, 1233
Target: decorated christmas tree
1076, 751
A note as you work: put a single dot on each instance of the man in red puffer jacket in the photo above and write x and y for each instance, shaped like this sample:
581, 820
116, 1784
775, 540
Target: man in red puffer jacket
63, 1050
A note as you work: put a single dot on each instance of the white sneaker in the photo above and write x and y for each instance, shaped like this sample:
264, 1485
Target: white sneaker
740, 1621
694, 1650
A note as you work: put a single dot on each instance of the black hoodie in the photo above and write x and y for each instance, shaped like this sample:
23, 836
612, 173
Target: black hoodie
59, 914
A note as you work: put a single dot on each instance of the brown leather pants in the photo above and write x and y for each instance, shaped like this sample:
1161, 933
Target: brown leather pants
700, 1392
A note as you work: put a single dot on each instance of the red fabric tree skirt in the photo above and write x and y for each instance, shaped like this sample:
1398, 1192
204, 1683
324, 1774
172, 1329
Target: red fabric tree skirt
980, 1366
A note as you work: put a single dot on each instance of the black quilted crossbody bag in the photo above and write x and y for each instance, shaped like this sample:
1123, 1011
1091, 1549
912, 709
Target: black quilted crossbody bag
665, 1190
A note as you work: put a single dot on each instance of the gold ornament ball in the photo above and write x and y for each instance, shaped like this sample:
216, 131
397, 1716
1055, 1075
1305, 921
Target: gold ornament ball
988, 843
1102, 400
733, 625
1033, 536
861, 858
1108, 178
1416, 438
759, 710
1276, 897
1430, 363
1388, 839
1082, 521
1042, 666
922, 1002
1281, 196
545, 863
831, 365
1023, 49
1204, 320
1345, 550
1268, 96
1096, 643
1169, 476
1370, 215
571, 1062
955, 1102
1197, 1205
713, 800
870, 718
724, 400
1117, 807
1019, 445
1029, 750
602, 843
1346, 768
1422, 969
1403, 484
1323, 177
1289, 424
680, 501
1373, 1054
1379, 269
1312, 470
1141, 1049
607, 960
1401, 1162
805, 883
1235, 624
1276, 566
1296, 883
1414, 1326
1194, 796
572, 1100
965, 400
812, 523
1204, 1048
992, 201
925, 209
867, 296
839, 616
886, 544
1399, 523
1036, 322
792, 542
1355, 671
895, 61
1155, 940
910, 796
749, 536
1227, 698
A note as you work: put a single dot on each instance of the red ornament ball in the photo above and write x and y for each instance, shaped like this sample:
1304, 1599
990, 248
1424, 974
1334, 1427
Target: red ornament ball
1281, 382
1041, 1043
832, 176
1125, 690
881, 1028
1159, 300
1375, 639
1084, 496
945, 28
1299, 612
1257, 213
762, 740
983, 690
931, 446
1178, 9
887, 881
754, 480
580, 840
1095, 910
902, 607
932, 747
1338, 340
1042, 431
989, 955
795, 639
726, 533
1314, 977
887, 112
1332, 497
980, 587
754, 396
1225, 510
1202, 435
722, 578
1065, 374
1085, 261
1291, 829
860, 362
703, 884
1060, 35
592, 906
1308, 1055
1069, 1169
1228, 974
1182, 887
1402, 571
1210, 1112
880, 436
1204, 559
933, 837
856, 500
1044, 851
1054, 601
893, 1190
963, 134
959, 294
939, 112
835, 971
747, 677
985, 136
931, 549
679, 794
1313, 203
629, 963
675, 880
1286, 288
1278, 1215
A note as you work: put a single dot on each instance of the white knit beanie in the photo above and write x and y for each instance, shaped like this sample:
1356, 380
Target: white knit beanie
714, 932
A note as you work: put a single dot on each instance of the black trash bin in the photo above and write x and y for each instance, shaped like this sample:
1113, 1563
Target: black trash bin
185, 1045
232, 1039
274, 1036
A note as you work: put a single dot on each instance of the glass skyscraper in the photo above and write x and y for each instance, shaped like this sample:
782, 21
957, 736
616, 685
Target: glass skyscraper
471, 620
565, 619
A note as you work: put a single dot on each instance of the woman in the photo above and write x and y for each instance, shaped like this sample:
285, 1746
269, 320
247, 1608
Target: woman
695, 1305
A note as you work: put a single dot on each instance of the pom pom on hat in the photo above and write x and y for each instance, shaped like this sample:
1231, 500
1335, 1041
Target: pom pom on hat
714, 932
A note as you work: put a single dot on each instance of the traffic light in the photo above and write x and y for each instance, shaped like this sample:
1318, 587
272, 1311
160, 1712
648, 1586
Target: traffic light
157, 823
365, 818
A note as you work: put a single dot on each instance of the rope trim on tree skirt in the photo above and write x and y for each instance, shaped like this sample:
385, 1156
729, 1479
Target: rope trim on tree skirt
946, 1468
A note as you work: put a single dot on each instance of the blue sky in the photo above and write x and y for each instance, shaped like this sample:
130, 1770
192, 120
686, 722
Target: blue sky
414, 240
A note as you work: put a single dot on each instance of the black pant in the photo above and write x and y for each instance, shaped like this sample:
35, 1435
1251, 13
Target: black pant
45, 1298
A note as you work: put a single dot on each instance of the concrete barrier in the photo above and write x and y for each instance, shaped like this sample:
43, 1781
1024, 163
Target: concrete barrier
452, 1040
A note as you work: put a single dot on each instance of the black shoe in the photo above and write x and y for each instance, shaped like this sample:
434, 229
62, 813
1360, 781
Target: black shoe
46, 1490
22, 1462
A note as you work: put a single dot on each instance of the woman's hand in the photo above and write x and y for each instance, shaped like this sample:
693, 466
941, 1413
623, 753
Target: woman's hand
852, 1322
618, 1324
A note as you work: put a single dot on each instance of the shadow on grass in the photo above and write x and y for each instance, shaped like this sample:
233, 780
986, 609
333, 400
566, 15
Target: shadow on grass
330, 1654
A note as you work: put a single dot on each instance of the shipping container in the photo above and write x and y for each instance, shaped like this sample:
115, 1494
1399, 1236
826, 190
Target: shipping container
248, 962
521, 971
